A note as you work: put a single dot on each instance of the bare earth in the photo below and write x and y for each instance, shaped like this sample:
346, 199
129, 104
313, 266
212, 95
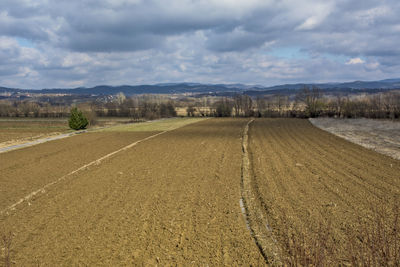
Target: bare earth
26, 170
173, 199
178, 198
382, 136
303, 179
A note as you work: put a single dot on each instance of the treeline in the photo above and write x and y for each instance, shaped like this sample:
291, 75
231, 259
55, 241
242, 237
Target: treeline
136, 108
27, 108
310, 102
146, 107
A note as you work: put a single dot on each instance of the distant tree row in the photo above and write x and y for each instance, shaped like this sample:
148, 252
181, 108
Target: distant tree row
146, 107
32, 109
143, 107
308, 102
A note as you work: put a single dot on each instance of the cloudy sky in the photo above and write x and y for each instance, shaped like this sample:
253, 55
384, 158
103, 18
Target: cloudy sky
71, 43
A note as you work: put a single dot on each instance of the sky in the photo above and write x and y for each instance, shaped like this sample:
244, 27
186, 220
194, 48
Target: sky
83, 43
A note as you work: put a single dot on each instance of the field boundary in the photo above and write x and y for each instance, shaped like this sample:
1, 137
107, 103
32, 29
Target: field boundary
256, 222
95, 162
372, 134
26, 143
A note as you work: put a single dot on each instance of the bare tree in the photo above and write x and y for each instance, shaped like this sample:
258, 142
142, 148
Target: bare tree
247, 105
237, 104
311, 99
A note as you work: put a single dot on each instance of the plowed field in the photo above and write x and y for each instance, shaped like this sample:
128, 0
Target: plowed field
26, 170
173, 199
318, 190
178, 197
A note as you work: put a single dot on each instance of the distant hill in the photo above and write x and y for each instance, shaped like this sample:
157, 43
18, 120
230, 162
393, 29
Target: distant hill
130, 90
216, 89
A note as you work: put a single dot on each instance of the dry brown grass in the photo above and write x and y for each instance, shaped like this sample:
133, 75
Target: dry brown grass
373, 242
382, 136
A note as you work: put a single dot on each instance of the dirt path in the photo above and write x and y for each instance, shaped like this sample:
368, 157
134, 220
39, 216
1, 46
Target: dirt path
310, 186
170, 200
21, 144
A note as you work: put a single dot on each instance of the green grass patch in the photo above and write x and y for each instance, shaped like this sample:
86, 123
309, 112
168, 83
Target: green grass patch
153, 126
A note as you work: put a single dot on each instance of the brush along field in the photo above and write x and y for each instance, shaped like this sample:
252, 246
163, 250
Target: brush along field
318, 199
173, 199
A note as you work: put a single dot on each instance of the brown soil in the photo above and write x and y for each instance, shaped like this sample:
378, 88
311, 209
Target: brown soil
306, 181
26, 170
173, 199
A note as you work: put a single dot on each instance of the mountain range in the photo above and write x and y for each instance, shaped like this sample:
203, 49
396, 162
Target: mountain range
215, 89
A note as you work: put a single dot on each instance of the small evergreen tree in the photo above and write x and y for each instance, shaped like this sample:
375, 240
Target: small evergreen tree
77, 120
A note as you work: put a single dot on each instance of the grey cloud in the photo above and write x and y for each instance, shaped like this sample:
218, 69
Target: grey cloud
237, 40
102, 42
89, 42
146, 24
31, 28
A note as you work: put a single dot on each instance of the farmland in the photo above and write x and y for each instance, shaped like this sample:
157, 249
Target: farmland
214, 191
19, 130
173, 198
12, 130
322, 190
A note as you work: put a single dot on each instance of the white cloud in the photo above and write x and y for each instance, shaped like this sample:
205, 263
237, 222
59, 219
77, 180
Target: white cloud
354, 61
309, 24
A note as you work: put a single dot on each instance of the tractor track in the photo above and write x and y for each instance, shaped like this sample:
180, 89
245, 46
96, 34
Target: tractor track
252, 208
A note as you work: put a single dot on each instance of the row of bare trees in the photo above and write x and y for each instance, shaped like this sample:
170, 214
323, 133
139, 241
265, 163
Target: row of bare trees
148, 107
308, 102
377, 106
32, 109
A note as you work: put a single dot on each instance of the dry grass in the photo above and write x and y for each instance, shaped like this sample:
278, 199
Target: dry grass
382, 136
373, 242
